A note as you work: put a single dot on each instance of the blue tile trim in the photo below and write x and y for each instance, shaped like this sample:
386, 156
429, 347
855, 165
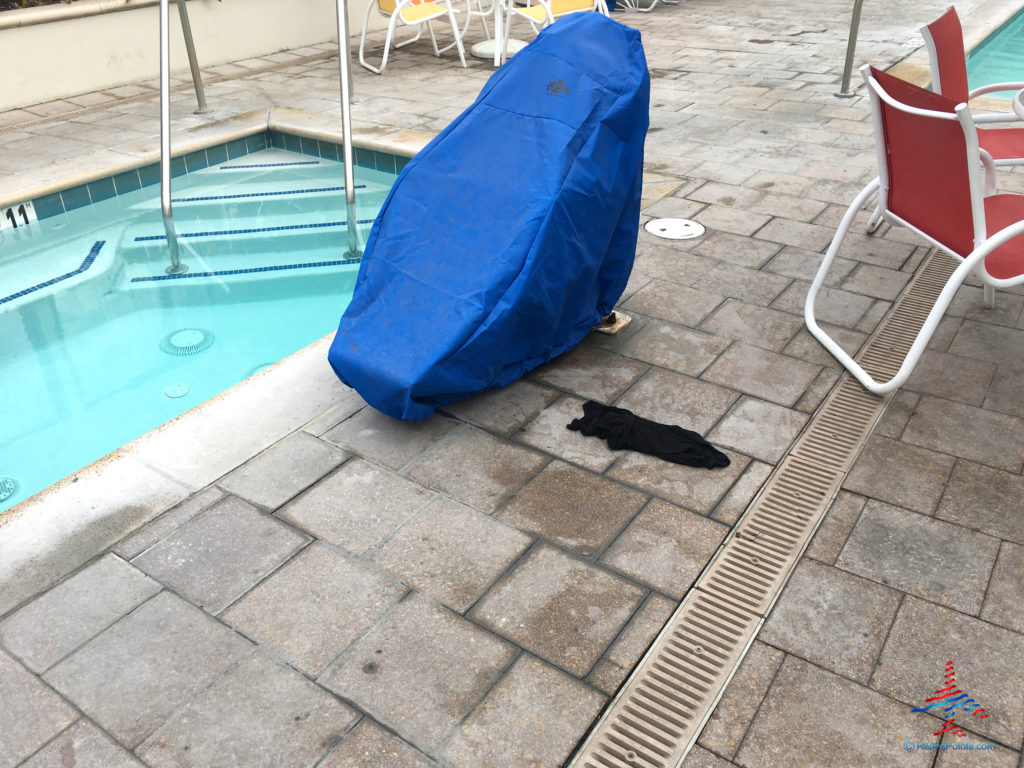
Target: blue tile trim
123, 183
262, 194
149, 174
48, 205
127, 182
76, 197
217, 154
249, 271
254, 230
96, 247
101, 189
269, 165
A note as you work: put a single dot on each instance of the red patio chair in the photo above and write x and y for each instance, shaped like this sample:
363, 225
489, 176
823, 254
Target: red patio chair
931, 180
944, 39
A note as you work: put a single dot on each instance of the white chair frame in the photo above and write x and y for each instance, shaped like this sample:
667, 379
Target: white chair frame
395, 16
972, 263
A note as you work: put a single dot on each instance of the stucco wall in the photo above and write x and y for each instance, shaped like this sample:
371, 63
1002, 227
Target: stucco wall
54, 51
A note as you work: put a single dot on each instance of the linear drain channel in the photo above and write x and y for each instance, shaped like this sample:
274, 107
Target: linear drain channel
658, 713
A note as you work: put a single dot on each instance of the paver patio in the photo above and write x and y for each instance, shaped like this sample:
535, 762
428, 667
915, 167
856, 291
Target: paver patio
471, 590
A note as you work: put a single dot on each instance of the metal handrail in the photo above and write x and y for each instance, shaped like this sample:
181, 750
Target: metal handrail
851, 46
193, 62
176, 266
345, 74
352, 225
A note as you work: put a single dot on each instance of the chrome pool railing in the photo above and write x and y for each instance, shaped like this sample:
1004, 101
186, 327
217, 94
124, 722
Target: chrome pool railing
345, 74
176, 266
193, 62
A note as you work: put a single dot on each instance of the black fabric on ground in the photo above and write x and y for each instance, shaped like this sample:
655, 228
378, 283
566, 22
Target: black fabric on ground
625, 430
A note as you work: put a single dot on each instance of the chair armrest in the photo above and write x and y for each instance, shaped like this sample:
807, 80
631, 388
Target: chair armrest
995, 87
994, 117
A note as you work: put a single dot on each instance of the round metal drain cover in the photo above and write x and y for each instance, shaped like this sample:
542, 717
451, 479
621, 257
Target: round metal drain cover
7, 488
674, 229
186, 341
177, 390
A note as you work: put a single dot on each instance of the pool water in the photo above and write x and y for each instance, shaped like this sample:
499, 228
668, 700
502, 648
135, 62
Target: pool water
999, 58
114, 347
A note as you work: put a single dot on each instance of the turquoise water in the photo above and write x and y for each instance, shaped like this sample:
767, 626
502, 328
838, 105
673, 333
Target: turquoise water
999, 58
86, 363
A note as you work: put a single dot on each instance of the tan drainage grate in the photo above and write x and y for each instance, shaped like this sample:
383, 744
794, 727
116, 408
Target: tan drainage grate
658, 713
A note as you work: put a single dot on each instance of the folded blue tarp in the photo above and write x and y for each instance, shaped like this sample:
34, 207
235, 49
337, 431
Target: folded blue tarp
509, 235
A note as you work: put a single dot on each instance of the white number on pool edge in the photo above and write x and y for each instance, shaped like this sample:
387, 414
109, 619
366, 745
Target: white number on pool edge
16, 216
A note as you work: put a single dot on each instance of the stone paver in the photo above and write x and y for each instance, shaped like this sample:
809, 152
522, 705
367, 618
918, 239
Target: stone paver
357, 507
564, 610
549, 432
1004, 393
985, 499
32, 714
260, 715
503, 410
313, 607
699, 757
667, 262
476, 468
690, 487
835, 529
931, 377
832, 618
590, 373
990, 343
736, 501
1004, 601
174, 518
758, 372
784, 178
532, 718
749, 285
759, 429
674, 347
384, 674
968, 432
631, 643
572, 508
671, 398
900, 474
134, 675
382, 439
955, 755
732, 716
218, 555
82, 746
49, 628
760, 326
915, 553
672, 302
665, 547
451, 553
283, 470
813, 715
370, 746
987, 663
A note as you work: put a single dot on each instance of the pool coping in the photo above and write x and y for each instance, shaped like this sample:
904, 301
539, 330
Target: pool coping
132, 156
55, 531
977, 25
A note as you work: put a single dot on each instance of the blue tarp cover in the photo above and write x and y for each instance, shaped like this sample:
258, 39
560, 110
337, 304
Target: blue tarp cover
509, 235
